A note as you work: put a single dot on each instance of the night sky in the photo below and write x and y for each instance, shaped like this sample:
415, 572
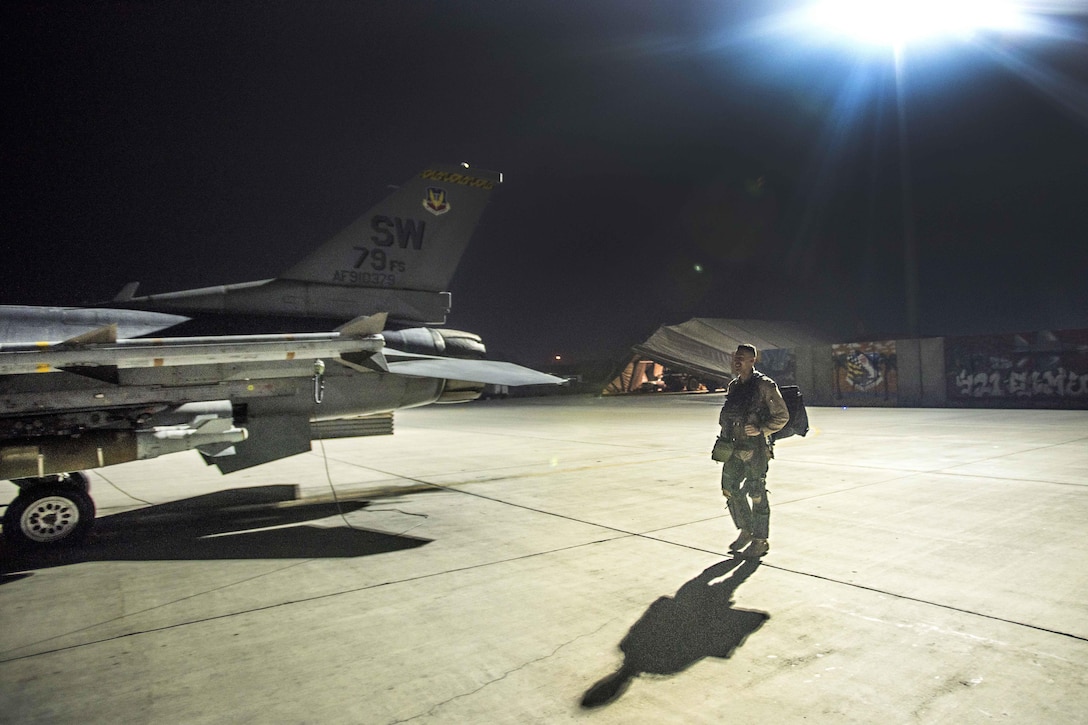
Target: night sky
662, 160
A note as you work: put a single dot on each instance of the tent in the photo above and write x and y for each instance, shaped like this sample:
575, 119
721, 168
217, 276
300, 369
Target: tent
703, 347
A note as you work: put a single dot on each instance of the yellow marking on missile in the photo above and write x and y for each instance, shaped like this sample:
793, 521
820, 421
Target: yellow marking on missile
291, 356
158, 362
42, 368
41, 344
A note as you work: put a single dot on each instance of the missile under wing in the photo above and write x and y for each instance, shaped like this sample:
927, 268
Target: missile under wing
29, 323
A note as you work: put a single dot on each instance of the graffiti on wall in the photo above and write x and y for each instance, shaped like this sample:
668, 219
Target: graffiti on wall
866, 371
1039, 368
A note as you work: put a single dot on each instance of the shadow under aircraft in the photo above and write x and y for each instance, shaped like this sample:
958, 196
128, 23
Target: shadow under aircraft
264, 522
676, 632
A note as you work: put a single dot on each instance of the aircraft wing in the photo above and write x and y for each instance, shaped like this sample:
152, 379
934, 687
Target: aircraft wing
95, 358
95, 400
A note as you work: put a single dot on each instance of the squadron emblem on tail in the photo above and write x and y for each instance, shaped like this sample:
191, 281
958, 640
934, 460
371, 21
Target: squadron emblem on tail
435, 201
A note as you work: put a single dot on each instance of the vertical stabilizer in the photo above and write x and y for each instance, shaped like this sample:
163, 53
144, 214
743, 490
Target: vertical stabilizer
397, 259
412, 240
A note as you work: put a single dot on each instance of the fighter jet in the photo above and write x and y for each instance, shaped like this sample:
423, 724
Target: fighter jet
96, 399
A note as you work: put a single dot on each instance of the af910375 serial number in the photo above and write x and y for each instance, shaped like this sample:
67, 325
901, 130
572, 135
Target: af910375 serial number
368, 279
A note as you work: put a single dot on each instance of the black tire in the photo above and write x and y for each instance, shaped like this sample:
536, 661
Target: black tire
48, 515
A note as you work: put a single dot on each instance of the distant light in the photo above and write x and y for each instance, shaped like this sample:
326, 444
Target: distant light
698, 268
897, 22
465, 164
558, 357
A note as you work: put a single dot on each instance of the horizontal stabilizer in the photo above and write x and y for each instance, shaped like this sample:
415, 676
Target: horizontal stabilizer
473, 371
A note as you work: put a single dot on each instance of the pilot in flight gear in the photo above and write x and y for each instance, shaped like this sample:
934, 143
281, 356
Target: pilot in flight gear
753, 410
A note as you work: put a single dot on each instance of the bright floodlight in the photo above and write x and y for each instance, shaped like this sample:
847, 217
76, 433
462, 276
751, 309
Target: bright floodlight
897, 22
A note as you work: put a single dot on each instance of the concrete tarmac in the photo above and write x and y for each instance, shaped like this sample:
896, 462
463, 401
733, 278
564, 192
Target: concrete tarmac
565, 560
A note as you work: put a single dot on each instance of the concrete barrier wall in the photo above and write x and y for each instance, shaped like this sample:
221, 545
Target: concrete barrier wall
1028, 370
1042, 369
932, 371
910, 376
918, 368
806, 376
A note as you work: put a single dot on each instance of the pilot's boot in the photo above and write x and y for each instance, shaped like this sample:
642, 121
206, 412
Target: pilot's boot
742, 541
756, 549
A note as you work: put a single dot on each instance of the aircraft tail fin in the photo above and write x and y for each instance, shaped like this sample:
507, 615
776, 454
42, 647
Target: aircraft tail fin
411, 240
398, 258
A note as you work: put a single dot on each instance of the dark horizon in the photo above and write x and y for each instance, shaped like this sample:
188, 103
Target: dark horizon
661, 162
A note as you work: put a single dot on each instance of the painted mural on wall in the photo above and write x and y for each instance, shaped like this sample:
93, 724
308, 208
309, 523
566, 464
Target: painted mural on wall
866, 372
1044, 369
780, 364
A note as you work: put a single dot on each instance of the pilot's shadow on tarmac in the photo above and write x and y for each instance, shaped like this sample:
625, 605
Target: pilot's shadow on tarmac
676, 632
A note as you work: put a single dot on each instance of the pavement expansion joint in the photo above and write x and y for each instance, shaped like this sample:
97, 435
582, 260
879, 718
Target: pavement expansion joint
439, 705
906, 597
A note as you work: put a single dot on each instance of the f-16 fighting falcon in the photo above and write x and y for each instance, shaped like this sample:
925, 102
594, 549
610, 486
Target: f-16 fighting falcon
76, 395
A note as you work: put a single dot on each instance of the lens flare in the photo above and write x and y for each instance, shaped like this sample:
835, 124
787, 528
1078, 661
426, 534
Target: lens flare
898, 22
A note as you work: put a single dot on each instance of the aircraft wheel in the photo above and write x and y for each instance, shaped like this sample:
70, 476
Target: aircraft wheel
49, 515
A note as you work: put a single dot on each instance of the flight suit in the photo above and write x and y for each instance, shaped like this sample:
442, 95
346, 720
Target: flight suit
757, 402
